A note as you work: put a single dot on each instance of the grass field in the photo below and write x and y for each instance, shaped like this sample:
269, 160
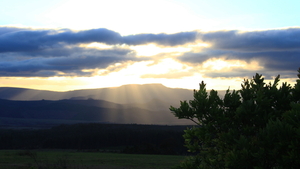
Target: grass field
71, 159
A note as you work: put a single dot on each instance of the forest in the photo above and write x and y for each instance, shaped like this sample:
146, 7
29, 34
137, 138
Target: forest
124, 138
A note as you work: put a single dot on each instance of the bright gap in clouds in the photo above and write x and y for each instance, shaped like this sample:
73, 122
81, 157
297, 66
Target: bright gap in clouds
228, 65
150, 63
151, 49
141, 50
132, 74
96, 45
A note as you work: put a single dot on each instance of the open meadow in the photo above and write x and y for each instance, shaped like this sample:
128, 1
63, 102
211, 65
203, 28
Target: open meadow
72, 159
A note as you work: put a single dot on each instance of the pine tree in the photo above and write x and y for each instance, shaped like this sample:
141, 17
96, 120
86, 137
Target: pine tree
255, 127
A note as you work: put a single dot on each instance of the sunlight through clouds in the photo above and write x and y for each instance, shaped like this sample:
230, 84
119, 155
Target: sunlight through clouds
224, 65
152, 49
132, 73
92, 44
50, 83
96, 45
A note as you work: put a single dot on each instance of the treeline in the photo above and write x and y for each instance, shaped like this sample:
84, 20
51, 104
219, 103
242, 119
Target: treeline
126, 138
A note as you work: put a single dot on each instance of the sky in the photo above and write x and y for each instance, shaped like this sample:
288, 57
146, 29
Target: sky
63, 45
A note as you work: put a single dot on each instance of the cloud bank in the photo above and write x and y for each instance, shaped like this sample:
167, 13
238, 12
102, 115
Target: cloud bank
16, 40
277, 51
47, 52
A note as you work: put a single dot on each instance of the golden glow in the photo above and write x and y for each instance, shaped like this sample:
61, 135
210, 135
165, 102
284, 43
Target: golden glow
51, 83
131, 74
226, 65
139, 68
152, 49
96, 45
133, 17
165, 65
198, 46
120, 78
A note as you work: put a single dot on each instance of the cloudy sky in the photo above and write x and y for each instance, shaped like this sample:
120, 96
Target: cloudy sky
77, 44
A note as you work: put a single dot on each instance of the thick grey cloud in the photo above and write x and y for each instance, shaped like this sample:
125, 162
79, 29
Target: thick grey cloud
4, 30
248, 73
281, 39
17, 40
75, 51
37, 40
275, 50
94, 35
69, 65
46, 52
161, 39
274, 60
49, 52
200, 57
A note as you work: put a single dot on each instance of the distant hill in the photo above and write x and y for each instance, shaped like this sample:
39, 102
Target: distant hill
124, 94
148, 96
141, 104
51, 113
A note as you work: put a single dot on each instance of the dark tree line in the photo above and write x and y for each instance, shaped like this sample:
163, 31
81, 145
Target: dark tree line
130, 138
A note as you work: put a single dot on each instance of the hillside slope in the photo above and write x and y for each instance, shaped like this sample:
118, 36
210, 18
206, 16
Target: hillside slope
35, 113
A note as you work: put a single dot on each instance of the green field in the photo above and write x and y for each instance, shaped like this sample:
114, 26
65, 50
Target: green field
71, 159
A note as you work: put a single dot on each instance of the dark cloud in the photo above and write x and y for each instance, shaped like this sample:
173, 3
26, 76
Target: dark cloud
54, 66
161, 39
281, 39
49, 52
4, 30
200, 57
37, 40
236, 72
76, 51
247, 73
275, 50
17, 40
272, 60
21, 41
94, 35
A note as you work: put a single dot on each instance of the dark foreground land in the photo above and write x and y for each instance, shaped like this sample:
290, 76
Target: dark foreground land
91, 146
71, 159
124, 138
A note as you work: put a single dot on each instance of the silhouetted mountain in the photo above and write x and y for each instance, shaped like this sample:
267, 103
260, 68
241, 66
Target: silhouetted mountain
141, 104
154, 104
25, 113
12, 93
126, 94
97, 103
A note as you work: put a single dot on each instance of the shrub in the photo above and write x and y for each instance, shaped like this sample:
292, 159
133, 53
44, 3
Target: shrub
255, 127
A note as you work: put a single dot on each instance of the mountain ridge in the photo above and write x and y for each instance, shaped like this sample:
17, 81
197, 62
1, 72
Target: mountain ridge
74, 111
140, 104
123, 95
